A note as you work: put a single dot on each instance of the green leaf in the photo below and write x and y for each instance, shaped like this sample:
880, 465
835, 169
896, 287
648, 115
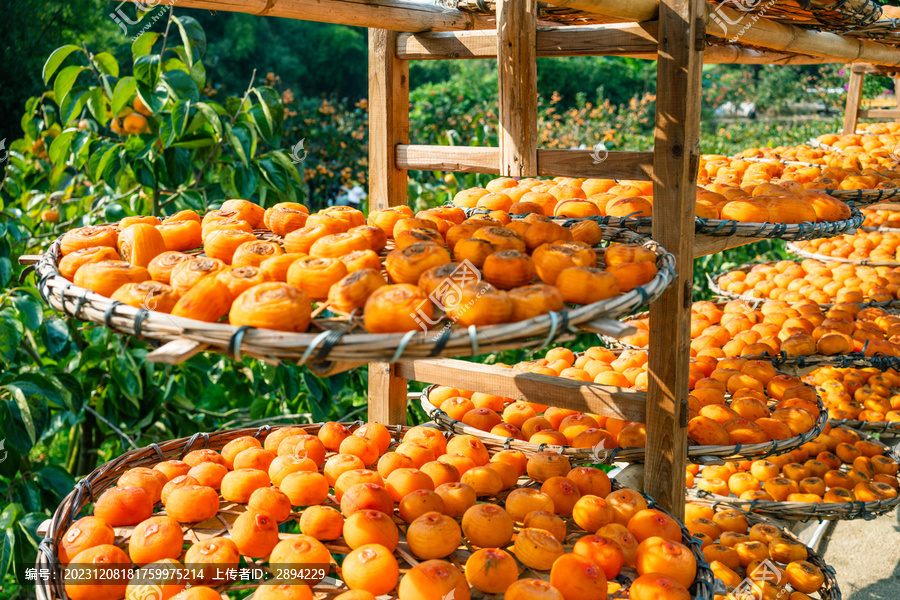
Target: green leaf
146, 69
123, 93
198, 74
55, 336
12, 513
59, 149
127, 378
106, 160
155, 99
56, 59
198, 143
287, 164
64, 82
107, 64
181, 113
211, 116
96, 103
193, 37
5, 271
11, 332
7, 540
181, 85
25, 415
245, 180
73, 104
143, 44
55, 479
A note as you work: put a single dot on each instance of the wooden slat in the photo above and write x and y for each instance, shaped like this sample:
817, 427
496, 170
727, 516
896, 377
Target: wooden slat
879, 113
739, 55
628, 10
388, 128
874, 70
587, 40
705, 245
517, 79
676, 161
396, 15
854, 97
556, 391
551, 162
585, 163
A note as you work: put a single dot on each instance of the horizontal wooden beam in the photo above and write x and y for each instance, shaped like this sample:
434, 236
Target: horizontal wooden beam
879, 113
587, 40
873, 70
630, 10
551, 162
740, 55
395, 15
705, 245
603, 400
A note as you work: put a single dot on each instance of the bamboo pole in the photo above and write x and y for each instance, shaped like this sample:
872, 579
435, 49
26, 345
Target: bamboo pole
394, 15
753, 30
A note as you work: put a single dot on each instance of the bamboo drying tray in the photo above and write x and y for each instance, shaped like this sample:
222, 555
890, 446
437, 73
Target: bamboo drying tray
729, 227
338, 343
725, 295
804, 511
611, 455
829, 589
890, 428
106, 475
824, 258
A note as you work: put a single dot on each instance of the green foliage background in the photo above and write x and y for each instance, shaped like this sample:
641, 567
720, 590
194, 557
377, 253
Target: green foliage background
238, 92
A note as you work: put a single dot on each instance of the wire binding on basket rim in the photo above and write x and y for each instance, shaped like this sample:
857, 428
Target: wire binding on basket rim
830, 586
695, 453
806, 511
890, 428
350, 347
105, 476
726, 227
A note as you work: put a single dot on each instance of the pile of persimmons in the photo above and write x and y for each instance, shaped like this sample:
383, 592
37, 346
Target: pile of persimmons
836, 467
814, 281
732, 401
735, 551
859, 394
266, 267
744, 192
804, 328
458, 519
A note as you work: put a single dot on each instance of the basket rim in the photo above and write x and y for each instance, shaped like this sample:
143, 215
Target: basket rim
833, 590
108, 472
805, 511
629, 454
341, 344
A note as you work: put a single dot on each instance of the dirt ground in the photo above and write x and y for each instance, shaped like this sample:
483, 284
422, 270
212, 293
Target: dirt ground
865, 555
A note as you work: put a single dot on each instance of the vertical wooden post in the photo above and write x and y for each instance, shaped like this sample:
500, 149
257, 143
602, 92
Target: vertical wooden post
897, 93
675, 165
517, 74
854, 97
388, 127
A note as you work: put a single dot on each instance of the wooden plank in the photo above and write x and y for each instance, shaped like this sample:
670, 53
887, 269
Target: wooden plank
704, 245
396, 15
854, 97
517, 81
874, 70
879, 113
388, 128
588, 40
532, 387
676, 161
632, 10
588, 163
551, 162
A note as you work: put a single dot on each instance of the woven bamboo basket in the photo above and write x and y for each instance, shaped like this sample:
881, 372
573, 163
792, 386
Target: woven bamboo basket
806, 254
725, 295
805, 511
106, 475
888, 428
342, 340
695, 453
829, 589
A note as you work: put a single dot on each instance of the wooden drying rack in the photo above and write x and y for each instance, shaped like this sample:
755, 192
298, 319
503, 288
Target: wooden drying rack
674, 32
